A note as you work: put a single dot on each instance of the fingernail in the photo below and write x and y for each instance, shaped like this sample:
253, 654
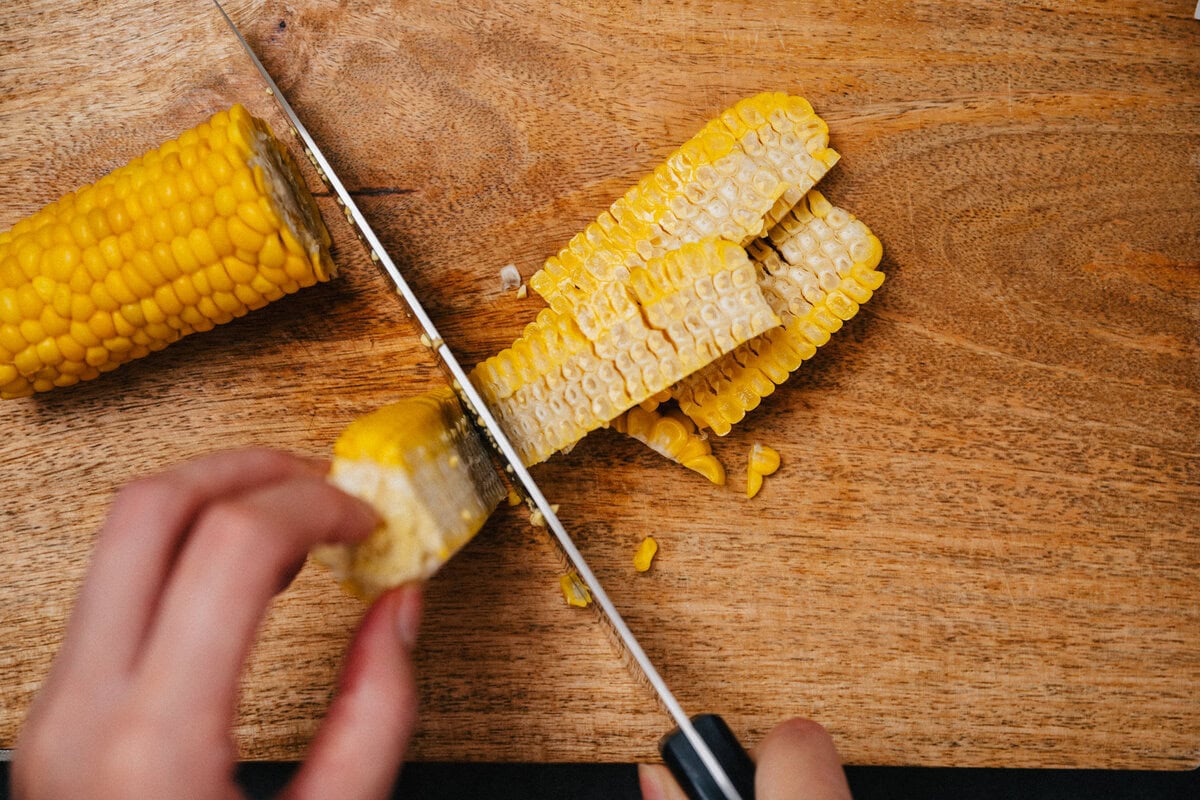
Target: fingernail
408, 616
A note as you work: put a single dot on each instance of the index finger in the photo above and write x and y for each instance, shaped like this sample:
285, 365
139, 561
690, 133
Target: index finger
139, 541
238, 556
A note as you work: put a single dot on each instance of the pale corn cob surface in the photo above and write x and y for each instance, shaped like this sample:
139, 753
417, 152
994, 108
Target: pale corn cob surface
816, 267
190, 235
421, 465
572, 372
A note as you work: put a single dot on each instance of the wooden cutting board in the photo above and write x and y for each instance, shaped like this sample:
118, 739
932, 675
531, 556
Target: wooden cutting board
982, 547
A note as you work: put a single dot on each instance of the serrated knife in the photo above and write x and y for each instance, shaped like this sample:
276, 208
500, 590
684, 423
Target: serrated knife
702, 752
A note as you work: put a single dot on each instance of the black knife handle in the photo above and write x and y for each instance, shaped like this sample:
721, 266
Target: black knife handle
690, 772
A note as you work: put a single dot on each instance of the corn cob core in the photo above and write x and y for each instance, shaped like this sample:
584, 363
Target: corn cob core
190, 235
425, 470
572, 372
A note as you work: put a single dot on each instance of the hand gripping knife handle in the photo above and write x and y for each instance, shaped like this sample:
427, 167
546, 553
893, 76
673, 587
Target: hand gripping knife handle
691, 773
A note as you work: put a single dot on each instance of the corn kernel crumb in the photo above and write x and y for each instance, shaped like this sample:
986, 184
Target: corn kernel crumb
538, 519
510, 278
574, 591
645, 554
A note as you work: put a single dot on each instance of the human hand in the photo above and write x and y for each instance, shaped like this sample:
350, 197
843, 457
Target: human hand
795, 761
141, 697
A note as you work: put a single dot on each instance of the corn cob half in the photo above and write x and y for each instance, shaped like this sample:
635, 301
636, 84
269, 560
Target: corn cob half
424, 469
190, 235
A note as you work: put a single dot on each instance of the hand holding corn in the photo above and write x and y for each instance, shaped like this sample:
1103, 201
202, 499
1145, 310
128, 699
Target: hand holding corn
140, 699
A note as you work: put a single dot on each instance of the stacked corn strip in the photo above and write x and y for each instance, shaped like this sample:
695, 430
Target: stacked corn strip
425, 470
733, 180
816, 267
201, 230
574, 371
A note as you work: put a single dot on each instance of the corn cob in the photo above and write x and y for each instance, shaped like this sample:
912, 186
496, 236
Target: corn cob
733, 180
201, 230
425, 470
572, 372
816, 267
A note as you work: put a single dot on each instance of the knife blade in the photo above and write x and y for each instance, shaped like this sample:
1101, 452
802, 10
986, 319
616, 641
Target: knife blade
702, 752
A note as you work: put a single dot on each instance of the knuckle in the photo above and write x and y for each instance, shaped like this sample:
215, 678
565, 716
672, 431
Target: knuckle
264, 459
233, 524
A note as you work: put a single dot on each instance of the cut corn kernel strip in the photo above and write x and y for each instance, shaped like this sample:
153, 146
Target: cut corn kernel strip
674, 436
645, 554
201, 230
733, 180
574, 590
425, 470
816, 267
571, 373
763, 461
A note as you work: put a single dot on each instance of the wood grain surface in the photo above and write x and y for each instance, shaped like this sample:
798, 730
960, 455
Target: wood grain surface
982, 548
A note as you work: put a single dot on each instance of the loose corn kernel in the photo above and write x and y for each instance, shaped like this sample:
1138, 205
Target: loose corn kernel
574, 590
645, 554
674, 436
123, 266
763, 461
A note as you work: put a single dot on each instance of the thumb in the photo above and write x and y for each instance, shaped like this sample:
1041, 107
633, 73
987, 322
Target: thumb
798, 761
358, 750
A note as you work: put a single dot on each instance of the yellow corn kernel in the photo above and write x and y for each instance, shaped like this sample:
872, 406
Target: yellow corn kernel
673, 436
645, 554
574, 591
272, 254
763, 461
108, 269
